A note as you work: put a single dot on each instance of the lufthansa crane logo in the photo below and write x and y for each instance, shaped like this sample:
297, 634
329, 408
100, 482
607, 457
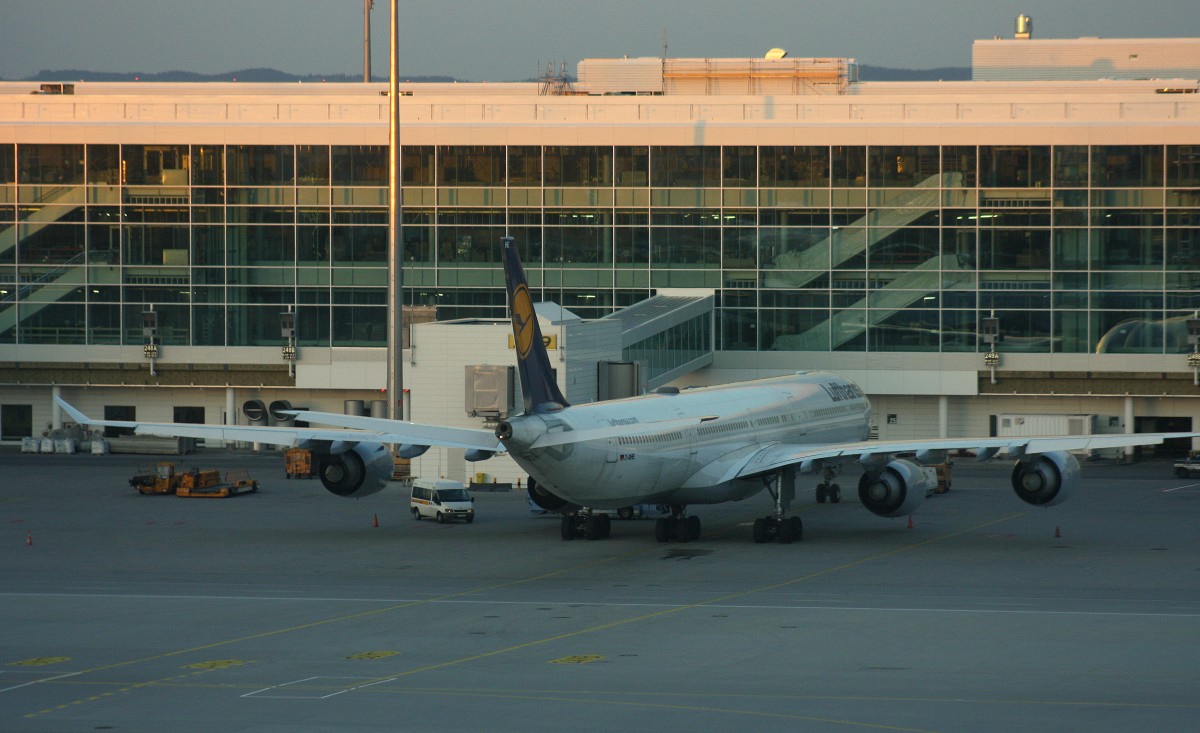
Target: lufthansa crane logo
522, 318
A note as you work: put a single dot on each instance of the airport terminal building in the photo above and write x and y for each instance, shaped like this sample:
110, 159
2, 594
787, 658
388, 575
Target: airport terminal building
972, 253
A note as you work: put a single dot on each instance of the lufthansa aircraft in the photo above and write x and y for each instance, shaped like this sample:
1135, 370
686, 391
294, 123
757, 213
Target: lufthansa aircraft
673, 448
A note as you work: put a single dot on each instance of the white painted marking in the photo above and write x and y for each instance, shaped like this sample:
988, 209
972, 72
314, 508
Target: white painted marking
1180, 488
263, 692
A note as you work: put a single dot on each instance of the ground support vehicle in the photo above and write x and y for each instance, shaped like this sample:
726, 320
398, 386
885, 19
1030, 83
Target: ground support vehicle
208, 484
161, 478
298, 463
441, 499
1188, 466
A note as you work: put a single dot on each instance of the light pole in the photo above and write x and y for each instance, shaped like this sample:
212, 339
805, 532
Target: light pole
395, 329
367, 5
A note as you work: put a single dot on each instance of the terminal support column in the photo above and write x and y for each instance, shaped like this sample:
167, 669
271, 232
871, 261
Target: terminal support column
1128, 425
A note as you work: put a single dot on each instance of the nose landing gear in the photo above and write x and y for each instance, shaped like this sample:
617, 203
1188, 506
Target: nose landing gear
678, 527
585, 524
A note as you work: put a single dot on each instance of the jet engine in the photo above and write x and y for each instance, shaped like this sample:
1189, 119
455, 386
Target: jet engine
362, 470
548, 501
896, 490
1045, 479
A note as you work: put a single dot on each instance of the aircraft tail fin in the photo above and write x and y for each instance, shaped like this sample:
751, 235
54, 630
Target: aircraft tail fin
538, 385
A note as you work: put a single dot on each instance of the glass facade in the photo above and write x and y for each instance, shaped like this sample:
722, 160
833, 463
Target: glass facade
1073, 248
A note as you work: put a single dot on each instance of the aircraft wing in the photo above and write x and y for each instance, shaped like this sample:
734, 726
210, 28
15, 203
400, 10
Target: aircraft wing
402, 431
289, 437
771, 457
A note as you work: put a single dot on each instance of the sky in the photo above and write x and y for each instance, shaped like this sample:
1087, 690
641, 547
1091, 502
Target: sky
508, 40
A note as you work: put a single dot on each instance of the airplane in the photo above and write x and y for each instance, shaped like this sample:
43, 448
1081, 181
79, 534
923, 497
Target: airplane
675, 448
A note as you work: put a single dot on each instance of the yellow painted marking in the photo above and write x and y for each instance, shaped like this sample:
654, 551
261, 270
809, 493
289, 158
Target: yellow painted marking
577, 659
39, 661
372, 655
130, 688
215, 664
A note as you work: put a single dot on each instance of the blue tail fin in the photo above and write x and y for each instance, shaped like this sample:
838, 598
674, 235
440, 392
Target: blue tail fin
533, 363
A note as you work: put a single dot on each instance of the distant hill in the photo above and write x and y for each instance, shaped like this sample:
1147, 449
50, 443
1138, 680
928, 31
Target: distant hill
865, 73
247, 75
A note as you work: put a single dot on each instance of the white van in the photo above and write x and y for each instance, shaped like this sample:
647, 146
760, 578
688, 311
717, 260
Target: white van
442, 500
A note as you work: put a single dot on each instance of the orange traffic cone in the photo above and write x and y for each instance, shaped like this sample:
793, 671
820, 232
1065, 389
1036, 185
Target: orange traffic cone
910, 525
1057, 532
28, 537
376, 523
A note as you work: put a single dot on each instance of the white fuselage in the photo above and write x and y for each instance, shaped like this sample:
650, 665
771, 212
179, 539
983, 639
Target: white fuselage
807, 408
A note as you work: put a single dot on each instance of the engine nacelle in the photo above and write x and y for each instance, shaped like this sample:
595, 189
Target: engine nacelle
409, 450
896, 490
546, 500
360, 471
1045, 479
478, 454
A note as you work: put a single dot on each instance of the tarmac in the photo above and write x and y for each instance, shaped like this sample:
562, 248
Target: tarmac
291, 609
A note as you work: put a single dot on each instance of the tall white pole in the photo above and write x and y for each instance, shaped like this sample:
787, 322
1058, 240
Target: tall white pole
367, 4
395, 335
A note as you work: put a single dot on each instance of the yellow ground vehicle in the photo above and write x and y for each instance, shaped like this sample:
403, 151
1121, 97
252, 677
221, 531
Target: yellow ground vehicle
298, 463
208, 483
159, 479
166, 478
943, 477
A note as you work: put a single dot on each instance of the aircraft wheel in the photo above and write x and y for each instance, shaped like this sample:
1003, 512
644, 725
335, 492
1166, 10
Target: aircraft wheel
693, 527
604, 526
567, 527
760, 530
785, 531
662, 529
679, 529
795, 528
822, 492
835, 494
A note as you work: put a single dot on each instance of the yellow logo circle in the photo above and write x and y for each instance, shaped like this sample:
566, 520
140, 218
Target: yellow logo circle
522, 317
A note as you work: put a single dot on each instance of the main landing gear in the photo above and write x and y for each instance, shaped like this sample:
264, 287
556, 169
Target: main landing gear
678, 527
586, 525
827, 489
777, 527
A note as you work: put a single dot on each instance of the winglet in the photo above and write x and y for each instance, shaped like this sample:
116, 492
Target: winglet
538, 385
75, 415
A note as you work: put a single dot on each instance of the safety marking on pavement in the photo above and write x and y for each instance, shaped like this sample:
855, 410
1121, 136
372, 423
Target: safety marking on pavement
39, 661
717, 601
315, 688
215, 664
112, 693
577, 659
1180, 488
372, 655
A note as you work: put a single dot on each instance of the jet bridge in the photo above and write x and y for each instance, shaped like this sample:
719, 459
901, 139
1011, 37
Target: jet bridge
669, 335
